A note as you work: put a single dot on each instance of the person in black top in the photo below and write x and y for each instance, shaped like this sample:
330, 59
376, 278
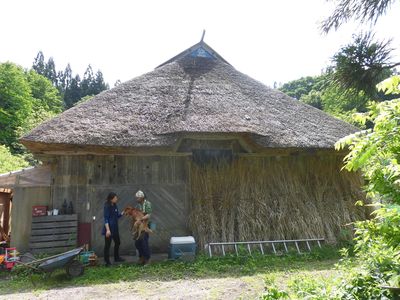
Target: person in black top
110, 228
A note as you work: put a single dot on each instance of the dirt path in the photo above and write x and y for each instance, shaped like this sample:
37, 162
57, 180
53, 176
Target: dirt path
219, 288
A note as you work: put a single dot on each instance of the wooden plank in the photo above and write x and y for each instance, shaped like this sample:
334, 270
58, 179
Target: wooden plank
121, 169
97, 175
112, 171
52, 244
105, 170
55, 218
54, 225
54, 237
40, 231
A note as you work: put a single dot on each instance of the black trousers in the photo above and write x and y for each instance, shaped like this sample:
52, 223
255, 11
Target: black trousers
142, 245
107, 245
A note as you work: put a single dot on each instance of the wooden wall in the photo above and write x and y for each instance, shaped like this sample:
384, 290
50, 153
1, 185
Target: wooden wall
21, 214
87, 179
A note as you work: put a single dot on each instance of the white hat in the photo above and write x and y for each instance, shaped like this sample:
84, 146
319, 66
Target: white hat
139, 194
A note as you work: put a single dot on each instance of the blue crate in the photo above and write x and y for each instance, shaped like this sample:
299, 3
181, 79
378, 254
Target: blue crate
182, 246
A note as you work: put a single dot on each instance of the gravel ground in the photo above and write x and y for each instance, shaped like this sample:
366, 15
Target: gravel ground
219, 288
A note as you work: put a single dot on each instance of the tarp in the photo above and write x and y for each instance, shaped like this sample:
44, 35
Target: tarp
32, 176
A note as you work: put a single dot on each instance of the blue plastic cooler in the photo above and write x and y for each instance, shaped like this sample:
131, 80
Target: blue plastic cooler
182, 246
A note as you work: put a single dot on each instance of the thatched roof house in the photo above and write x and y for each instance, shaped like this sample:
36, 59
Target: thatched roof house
189, 95
196, 134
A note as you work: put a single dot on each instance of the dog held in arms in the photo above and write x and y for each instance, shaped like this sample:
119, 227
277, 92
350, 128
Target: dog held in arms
137, 227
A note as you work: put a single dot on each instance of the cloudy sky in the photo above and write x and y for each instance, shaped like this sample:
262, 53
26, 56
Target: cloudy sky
269, 40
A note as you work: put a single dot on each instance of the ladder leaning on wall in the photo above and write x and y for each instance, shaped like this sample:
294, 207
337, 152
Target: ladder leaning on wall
261, 244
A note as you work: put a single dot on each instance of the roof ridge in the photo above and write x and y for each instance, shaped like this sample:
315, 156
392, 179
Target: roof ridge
193, 49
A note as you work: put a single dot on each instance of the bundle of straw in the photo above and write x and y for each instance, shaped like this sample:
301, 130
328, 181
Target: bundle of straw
270, 198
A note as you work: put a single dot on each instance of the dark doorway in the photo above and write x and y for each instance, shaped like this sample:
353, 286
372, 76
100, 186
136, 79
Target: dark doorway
5, 209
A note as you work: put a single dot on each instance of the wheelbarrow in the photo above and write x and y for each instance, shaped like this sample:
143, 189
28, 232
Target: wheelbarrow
47, 265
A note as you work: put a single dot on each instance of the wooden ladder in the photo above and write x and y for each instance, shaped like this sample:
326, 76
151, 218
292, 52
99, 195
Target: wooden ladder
261, 244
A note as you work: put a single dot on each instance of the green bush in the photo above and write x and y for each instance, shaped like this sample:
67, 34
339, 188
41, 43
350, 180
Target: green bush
376, 153
273, 293
9, 162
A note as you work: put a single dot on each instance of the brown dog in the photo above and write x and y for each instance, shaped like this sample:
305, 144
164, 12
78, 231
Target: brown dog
137, 226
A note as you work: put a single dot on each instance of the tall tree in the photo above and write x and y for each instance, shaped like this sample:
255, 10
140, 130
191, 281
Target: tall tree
50, 71
87, 82
45, 95
99, 84
39, 64
73, 92
323, 93
65, 77
360, 10
302, 86
362, 64
71, 88
46, 100
15, 103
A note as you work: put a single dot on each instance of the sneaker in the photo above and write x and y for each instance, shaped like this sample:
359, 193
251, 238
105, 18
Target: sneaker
119, 259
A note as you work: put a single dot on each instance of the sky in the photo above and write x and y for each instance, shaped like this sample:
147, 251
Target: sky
270, 40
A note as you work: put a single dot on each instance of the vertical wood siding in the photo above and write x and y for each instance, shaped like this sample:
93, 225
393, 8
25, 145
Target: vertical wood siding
86, 181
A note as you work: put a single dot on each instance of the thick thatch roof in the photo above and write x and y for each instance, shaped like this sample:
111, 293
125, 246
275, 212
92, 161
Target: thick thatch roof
196, 92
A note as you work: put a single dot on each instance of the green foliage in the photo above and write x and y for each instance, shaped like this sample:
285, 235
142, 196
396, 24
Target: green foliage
9, 162
362, 286
273, 293
303, 86
26, 100
335, 100
375, 152
313, 98
361, 10
305, 287
71, 88
15, 102
46, 101
39, 64
390, 85
322, 93
45, 95
362, 64
348, 86
202, 267
378, 254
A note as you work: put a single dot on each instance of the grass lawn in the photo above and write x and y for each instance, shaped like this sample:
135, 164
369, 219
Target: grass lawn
280, 272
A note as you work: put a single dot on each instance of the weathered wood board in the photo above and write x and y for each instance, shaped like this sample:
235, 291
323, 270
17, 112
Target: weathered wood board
53, 234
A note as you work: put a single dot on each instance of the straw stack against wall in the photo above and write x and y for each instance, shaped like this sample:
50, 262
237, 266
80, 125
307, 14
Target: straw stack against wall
269, 198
